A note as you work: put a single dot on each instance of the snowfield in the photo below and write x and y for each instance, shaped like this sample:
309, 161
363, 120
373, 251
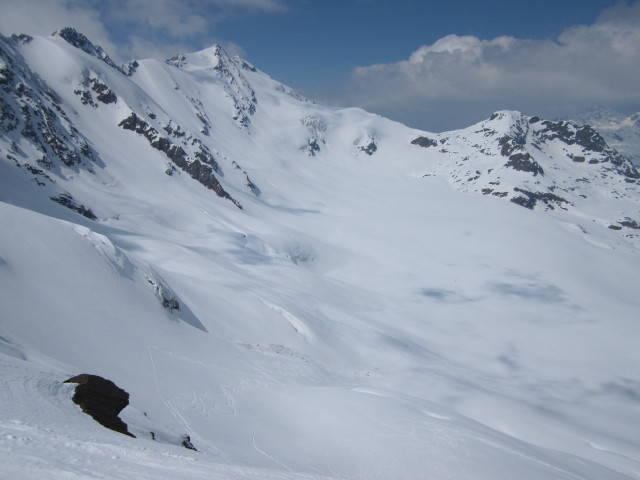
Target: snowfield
349, 310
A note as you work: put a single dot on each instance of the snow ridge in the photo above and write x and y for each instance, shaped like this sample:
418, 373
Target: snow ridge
216, 60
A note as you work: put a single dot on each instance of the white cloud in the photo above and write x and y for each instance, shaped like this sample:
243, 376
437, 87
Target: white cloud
36, 17
461, 79
133, 28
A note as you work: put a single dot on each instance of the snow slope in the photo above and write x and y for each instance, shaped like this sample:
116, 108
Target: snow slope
347, 308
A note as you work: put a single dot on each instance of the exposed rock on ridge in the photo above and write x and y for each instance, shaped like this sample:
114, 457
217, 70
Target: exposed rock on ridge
79, 40
200, 168
228, 70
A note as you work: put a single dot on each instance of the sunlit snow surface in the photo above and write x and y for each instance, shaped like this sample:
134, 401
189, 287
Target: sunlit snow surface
356, 320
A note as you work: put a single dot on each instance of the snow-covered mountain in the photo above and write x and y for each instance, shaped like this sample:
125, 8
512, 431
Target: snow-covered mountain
304, 291
539, 164
620, 131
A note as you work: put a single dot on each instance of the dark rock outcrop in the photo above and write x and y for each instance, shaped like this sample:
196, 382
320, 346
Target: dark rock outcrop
565, 131
629, 223
591, 140
130, 67
424, 142
67, 200
201, 169
102, 399
80, 41
530, 199
312, 147
166, 296
186, 443
524, 163
103, 93
369, 149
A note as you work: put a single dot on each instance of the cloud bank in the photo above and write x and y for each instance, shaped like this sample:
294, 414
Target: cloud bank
459, 80
130, 29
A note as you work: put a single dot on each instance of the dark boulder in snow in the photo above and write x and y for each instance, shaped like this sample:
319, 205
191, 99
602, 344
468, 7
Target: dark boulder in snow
186, 443
102, 399
424, 142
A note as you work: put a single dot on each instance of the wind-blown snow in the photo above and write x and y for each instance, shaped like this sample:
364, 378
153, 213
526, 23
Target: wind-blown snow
363, 316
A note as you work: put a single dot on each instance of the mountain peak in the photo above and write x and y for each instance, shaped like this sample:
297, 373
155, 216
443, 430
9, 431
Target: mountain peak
216, 62
210, 58
509, 117
79, 40
75, 38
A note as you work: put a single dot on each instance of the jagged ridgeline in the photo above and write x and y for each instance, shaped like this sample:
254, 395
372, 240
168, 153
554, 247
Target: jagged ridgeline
46, 142
183, 109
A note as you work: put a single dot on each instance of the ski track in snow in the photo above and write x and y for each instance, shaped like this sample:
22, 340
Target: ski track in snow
258, 449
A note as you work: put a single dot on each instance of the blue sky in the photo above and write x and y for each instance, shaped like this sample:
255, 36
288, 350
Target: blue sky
323, 40
431, 64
